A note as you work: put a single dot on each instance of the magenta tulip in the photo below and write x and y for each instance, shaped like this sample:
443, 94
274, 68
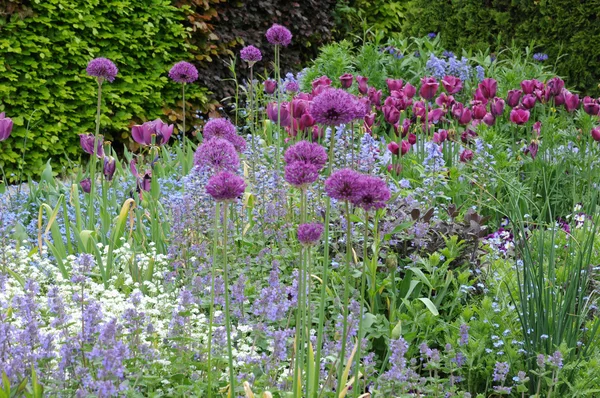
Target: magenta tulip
519, 116
284, 113
529, 101
466, 155
394, 84
86, 185
497, 106
409, 90
591, 106
488, 87
6, 126
142, 134
452, 84
412, 139
321, 81
489, 119
346, 80
391, 114
435, 115
555, 86
419, 109
405, 146
429, 87
110, 165
270, 86
374, 96
87, 144
394, 148
513, 97
571, 101
596, 133
479, 110
362, 84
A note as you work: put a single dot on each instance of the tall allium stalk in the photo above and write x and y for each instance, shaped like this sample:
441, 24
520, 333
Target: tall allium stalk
183, 72
278, 36
102, 69
226, 187
251, 55
212, 293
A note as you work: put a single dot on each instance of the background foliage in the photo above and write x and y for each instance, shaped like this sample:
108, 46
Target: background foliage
563, 29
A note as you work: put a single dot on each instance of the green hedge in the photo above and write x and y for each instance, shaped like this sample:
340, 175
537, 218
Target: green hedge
566, 30
45, 46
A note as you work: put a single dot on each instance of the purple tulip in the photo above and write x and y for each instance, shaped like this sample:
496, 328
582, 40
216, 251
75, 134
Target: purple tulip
513, 97
110, 165
394, 84
143, 180
478, 96
142, 134
86, 185
466, 155
529, 101
394, 148
284, 113
479, 110
519, 116
435, 115
409, 90
419, 109
488, 87
405, 146
465, 118
412, 139
533, 148
321, 81
591, 106
374, 96
444, 100
429, 87
537, 128
391, 114
452, 84
571, 101
529, 86
406, 123
497, 106
6, 125
468, 135
362, 84
555, 86
596, 133
560, 98
270, 86
489, 119
87, 144
346, 80
440, 136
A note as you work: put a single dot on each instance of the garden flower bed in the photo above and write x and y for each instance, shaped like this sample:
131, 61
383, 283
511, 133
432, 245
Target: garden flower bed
393, 221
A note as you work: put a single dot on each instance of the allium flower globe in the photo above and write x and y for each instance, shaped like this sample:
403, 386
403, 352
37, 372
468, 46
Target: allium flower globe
218, 128
334, 107
301, 174
251, 54
304, 151
279, 35
374, 193
216, 154
344, 184
225, 186
103, 69
309, 234
183, 72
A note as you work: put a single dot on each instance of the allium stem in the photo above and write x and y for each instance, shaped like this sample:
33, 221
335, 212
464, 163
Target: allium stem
93, 160
346, 295
323, 294
301, 310
277, 77
212, 293
227, 316
363, 282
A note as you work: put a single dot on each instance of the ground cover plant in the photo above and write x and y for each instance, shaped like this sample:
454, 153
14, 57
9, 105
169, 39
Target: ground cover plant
395, 220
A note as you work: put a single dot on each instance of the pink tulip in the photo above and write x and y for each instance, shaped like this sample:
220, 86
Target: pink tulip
596, 133
489, 119
394, 84
488, 87
466, 155
452, 84
513, 97
409, 90
142, 134
529, 101
519, 116
346, 80
497, 106
429, 87
6, 126
591, 106
362, 84
571, 101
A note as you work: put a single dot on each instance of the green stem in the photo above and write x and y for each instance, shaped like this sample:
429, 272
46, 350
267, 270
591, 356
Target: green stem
227, 316
346, 295
93, 160
277, 78
212, 293
363, 282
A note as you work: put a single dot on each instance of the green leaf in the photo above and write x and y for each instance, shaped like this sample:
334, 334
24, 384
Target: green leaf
430, 306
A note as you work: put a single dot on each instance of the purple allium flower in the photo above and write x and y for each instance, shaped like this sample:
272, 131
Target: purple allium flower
333, 107
103, 69
309, 234
183, 72
344, 184
218, 128
300, 174
216, 154
305, 151
6, 125
87, 144
225, 186
374, 193
251, 54
279, 35
238, 142
292, 87
500, 371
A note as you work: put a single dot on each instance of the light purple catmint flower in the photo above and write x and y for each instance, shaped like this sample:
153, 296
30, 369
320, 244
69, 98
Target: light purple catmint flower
464, 334
251, 55
183, 72
279, 35
556, 359
225, 186
102, 69
304, 151
333, 107
309, 234
500, 371
216, 154
343, 184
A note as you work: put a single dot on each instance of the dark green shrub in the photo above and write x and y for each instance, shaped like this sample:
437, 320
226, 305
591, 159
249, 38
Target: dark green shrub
44, 50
